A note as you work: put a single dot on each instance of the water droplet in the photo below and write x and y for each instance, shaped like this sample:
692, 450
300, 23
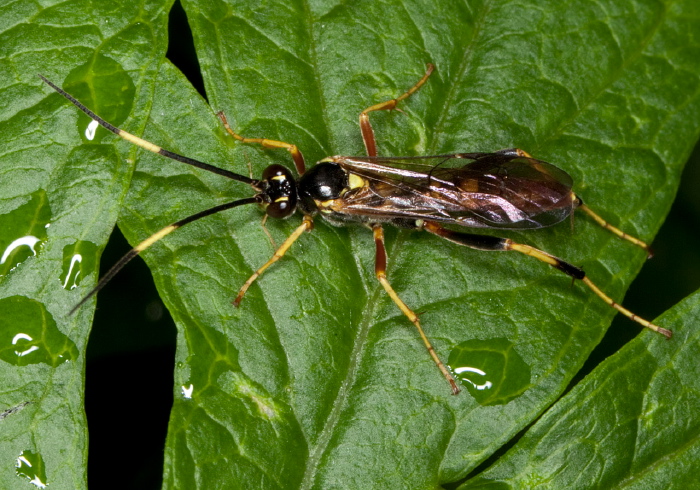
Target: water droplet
22, 231
91, 128
187, 391
29, 241
17, 340
31, 465
73, 271
29, 335
465, 372
94, 84
79, 261
492, 371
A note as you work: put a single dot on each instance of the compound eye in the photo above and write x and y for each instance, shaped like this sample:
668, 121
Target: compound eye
280, 191
282, 208
276, 172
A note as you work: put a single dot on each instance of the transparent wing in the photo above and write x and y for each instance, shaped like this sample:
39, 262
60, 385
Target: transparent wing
487, 190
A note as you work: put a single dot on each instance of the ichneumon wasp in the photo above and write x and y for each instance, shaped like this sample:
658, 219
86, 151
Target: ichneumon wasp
506, 189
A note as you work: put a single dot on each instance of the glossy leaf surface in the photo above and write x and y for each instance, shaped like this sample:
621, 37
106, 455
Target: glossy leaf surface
317, 380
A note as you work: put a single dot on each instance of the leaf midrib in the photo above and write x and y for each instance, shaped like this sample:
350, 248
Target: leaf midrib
376, 292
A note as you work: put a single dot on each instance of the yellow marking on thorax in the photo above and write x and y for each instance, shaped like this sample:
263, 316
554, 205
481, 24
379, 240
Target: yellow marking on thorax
355, 181
325, 206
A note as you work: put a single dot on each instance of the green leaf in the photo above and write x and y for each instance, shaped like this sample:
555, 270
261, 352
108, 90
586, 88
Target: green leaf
318, 380
59, 199
631, 423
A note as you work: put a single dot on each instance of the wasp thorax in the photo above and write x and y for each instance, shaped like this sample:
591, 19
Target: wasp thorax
323, 182
279, 191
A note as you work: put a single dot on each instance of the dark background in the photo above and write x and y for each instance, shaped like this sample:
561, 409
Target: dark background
132, 344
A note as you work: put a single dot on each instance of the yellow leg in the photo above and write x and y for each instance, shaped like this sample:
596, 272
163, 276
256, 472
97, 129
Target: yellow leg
269, 237
366, 126
292, 149
563, 266
663, 331
616, 231
307, 225
380, 271
496, 244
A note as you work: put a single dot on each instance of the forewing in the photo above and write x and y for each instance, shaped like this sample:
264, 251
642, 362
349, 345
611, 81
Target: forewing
487, 190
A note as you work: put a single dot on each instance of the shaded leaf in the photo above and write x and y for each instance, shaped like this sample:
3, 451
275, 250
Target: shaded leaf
631, 423
63, 190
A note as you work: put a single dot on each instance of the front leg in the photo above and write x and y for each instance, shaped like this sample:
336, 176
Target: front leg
366, 126
306, 225
267, 143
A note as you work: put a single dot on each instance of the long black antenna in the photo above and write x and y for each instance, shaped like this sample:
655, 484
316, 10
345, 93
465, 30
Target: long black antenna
154, 238
147, 145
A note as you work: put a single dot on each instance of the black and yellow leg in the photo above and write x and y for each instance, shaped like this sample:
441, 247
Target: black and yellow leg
292, 149
306, 225
380, 271
615, 230
489, 243
366, 126
597, 218
154, 238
